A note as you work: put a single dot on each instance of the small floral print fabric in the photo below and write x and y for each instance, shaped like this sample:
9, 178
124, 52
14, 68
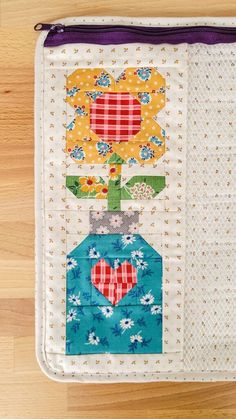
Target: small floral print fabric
115, 119
104, 222
131, 323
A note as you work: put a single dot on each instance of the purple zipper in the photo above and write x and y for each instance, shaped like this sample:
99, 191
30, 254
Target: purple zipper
59, 34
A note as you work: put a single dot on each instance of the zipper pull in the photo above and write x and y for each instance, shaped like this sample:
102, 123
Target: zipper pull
57, 27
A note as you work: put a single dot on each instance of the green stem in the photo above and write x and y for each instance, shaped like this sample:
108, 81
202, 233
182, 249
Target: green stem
114, 188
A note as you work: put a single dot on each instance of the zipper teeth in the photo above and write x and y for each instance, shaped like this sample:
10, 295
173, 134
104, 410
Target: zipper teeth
59, 34
152, 31
148, 31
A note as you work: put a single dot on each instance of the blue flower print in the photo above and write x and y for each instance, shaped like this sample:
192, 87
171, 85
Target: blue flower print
132, 160
94, 95
92, 338
93, 253
137, 291
135, 254
80, 111
116, 330
71, 315
94, 325
103, 80
71, 263
126, 324
97, 317
77, 153
146, 153
72, 92
135, 340
74, 299
128, 239
156, 309
106, 311
141, 264
103, 148
68, 345
155, 140
147, 299
144, 73
71, 125
76, 327
145, 98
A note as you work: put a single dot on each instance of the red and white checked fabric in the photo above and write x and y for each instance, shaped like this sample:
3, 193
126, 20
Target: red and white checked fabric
115, 116
114, 284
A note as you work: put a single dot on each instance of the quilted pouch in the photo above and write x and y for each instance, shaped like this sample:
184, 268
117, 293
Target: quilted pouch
135, 140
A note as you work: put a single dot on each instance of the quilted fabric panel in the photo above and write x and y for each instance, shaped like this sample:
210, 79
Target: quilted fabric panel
89, 90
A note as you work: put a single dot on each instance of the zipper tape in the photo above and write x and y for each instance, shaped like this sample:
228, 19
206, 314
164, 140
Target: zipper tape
59, 34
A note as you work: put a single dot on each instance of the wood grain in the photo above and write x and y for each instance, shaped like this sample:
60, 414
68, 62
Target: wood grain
25, 393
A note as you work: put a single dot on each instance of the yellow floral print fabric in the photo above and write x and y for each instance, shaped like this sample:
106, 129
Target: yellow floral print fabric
85, 86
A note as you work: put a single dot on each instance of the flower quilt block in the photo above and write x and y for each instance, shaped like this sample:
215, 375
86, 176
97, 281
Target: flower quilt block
115, 118
114, 277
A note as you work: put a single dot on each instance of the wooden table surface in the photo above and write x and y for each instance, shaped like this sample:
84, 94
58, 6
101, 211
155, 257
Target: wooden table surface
25, 392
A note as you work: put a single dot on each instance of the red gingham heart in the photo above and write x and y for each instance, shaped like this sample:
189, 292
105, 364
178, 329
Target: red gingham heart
114, 284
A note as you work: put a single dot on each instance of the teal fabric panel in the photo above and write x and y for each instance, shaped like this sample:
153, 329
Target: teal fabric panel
94, 325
